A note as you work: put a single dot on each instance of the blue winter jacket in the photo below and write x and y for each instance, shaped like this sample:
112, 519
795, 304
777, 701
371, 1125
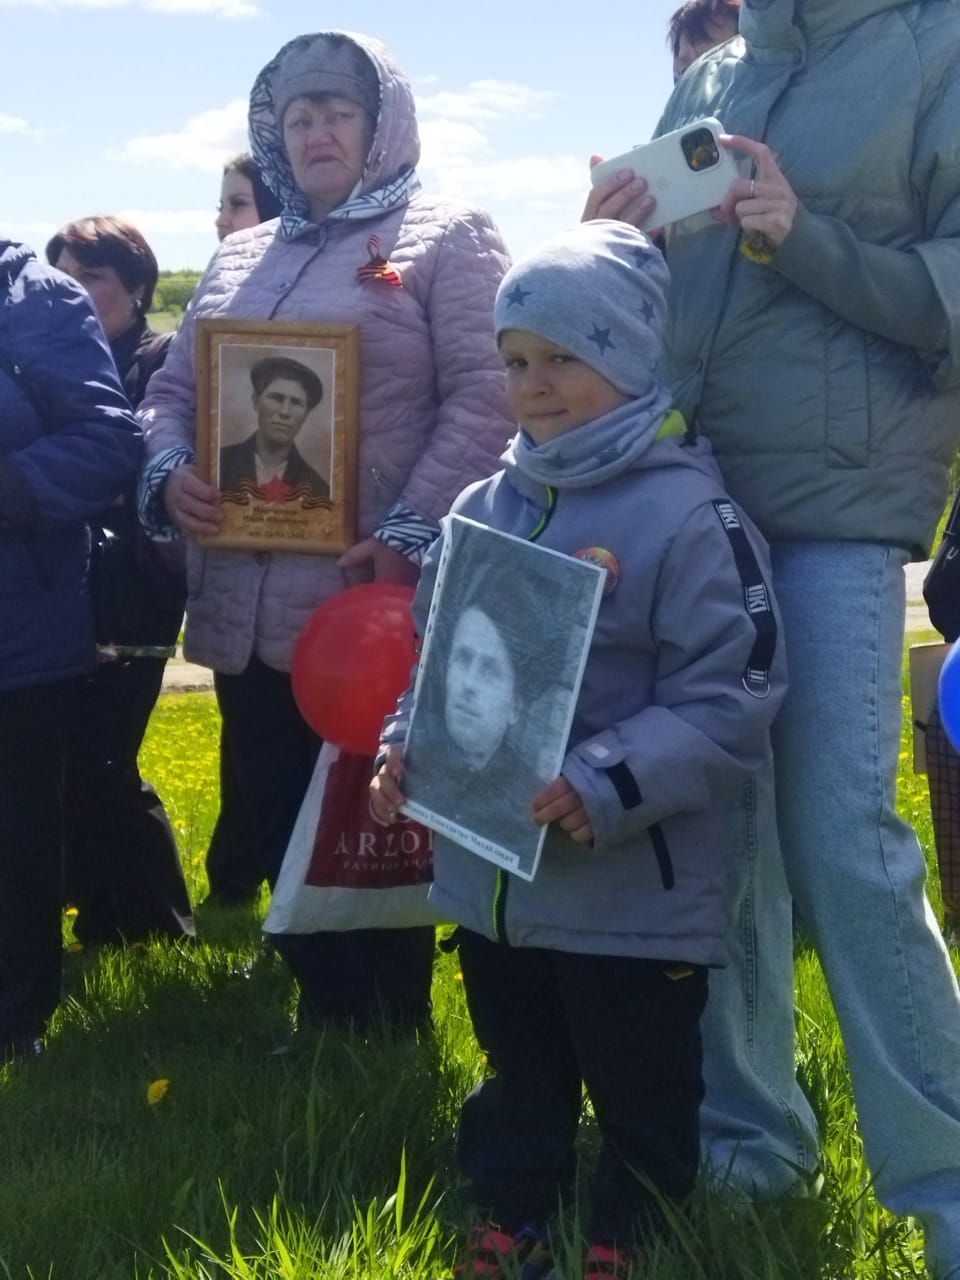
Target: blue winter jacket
68, 445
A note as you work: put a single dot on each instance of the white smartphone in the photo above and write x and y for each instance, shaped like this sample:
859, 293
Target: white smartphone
686, 171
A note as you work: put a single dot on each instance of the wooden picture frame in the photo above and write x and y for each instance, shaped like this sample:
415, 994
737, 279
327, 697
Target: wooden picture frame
277, 432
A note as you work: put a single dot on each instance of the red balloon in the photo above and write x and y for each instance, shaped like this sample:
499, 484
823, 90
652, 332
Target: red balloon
352, 661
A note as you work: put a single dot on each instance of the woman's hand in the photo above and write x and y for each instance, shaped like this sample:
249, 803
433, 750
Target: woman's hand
622, 197
191, 503
560, 803
386, 796
388, 565
765, 204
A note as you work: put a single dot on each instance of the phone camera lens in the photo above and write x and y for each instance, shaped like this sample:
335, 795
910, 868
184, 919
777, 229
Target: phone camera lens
700, 150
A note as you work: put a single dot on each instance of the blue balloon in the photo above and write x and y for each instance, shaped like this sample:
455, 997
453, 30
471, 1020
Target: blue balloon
948, 695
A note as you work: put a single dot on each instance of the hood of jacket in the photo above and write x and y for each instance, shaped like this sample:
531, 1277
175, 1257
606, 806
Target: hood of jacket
13, 258
394, 151
774, 28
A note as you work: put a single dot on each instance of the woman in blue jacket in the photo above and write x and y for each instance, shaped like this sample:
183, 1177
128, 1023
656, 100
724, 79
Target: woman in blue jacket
68, 446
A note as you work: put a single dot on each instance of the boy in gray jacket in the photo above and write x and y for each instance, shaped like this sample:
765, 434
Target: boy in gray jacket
595, 973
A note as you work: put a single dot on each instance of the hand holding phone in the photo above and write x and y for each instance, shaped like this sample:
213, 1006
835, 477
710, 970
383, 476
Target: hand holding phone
686, 171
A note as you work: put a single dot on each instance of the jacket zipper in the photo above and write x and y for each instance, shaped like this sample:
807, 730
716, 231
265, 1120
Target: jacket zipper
502, 883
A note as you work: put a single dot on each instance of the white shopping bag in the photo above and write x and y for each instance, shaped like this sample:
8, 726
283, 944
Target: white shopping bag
342, 869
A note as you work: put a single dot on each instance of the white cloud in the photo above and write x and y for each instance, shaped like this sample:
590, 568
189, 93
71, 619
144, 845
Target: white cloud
211, 8
450, 142
15, 125
215, 8
486, 100
169, 222
534, 181
33, 232
203, 143
464, 150
152, 222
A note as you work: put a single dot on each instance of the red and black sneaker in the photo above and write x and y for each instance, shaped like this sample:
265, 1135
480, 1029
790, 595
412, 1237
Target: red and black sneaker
492, 1254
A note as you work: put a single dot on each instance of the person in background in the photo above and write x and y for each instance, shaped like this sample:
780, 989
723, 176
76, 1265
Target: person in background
123, 871
245, 199
333, 128
814, 338
700, 25
68, 445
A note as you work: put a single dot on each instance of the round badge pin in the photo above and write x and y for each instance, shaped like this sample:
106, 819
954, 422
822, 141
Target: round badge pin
606, 560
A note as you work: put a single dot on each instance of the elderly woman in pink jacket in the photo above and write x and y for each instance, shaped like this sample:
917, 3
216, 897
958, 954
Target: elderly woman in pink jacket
333, 128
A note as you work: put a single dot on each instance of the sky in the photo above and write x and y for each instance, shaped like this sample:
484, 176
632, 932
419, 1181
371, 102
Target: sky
131, 106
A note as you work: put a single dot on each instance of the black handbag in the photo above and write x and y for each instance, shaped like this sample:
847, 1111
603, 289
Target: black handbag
941, 586
138, 587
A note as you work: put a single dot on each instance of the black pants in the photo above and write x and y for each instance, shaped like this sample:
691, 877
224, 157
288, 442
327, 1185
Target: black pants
123, 871
32, 733
269, 755
551, 1022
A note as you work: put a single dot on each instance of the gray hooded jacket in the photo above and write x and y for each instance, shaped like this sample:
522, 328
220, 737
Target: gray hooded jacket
827, 379
666, 724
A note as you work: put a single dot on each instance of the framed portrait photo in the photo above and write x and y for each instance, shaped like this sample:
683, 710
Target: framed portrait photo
503, 655
277, 432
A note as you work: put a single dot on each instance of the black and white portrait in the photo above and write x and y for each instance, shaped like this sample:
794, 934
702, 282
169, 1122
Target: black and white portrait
276, 416
277, 405
503, 654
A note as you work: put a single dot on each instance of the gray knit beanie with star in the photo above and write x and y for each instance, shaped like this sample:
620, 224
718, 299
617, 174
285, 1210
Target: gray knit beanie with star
598, 290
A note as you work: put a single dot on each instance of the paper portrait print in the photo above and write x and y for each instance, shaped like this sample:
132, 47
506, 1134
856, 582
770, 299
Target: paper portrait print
500, 669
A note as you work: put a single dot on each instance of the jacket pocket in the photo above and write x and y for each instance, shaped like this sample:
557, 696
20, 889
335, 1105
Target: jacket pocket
847, 389
661, 851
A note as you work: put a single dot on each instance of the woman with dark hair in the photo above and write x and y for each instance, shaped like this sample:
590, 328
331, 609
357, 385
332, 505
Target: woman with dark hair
245, 199
699, 25
123, 870
333, 127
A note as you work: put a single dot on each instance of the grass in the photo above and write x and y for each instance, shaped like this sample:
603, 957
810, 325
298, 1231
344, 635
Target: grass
164, 321
334, 1160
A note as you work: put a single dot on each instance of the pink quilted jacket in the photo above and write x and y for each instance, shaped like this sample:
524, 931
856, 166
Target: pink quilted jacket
432, 412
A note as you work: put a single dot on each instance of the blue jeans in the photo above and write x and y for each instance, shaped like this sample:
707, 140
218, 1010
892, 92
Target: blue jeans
857, 875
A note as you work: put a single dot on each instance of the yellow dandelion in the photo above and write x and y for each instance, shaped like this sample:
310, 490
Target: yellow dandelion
458, 977
157, 1091
71, 912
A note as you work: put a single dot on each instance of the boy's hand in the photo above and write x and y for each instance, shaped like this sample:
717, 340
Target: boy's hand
560, 803
385, 794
